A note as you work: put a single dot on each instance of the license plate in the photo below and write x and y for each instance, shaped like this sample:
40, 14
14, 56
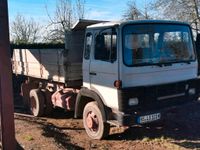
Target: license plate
149, 118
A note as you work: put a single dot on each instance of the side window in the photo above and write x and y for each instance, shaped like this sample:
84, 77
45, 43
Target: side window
88, 46
106, 46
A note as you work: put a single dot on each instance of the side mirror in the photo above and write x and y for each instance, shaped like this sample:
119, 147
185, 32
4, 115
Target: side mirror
197, 42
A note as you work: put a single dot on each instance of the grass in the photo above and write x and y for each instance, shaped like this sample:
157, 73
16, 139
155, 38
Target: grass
159, 139
164, 141
29, 138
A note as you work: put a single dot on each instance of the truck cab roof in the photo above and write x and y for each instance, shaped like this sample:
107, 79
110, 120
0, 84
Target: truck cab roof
90, 24
113, 23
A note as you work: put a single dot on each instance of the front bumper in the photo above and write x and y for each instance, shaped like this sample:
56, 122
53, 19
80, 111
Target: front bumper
133, 119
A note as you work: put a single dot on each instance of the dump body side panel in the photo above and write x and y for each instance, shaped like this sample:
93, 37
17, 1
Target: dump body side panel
63, 65
39, 63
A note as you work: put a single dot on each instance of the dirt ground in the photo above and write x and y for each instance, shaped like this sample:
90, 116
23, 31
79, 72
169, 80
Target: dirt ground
180, 130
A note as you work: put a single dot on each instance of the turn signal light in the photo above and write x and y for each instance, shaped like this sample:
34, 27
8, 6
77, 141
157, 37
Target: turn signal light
118, 84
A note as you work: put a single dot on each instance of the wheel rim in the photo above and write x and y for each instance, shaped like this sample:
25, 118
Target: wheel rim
33, 105
92, 122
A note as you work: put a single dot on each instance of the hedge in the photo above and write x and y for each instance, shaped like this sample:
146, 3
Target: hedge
37, 46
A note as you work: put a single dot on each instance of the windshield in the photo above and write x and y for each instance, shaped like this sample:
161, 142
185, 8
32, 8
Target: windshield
157, 44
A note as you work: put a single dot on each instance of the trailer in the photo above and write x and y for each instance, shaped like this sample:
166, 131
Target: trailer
120, 73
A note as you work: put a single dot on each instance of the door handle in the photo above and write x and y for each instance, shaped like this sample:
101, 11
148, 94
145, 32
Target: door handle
93, 73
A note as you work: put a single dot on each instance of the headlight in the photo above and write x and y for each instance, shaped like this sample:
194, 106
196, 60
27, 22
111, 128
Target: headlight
133, 101
192, 91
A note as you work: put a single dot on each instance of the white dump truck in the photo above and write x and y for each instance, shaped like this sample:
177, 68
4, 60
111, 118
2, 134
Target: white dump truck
120, 73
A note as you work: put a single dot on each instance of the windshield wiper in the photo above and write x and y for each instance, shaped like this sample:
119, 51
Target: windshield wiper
162, 63
169, 63
148, 64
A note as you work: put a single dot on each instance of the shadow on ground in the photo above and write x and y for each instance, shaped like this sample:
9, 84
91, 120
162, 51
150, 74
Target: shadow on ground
59, 136
51, 130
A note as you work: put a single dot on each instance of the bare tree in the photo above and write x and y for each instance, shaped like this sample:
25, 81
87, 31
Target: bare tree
134, 13
24, 31
182, 10
147, 12
63, 19
80, 9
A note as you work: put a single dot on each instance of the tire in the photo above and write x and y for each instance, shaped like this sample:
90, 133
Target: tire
25, 92
48, 103
37, 102
98, 129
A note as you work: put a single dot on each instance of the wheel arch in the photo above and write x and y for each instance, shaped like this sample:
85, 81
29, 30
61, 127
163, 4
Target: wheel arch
85, 96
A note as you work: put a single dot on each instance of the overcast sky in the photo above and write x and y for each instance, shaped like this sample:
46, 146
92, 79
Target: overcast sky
95, 9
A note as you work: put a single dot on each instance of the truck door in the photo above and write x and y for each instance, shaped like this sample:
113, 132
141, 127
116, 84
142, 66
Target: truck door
104, 66
86, 59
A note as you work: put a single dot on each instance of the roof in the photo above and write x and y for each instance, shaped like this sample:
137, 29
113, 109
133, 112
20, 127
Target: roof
83, 23
107, 24
153, 21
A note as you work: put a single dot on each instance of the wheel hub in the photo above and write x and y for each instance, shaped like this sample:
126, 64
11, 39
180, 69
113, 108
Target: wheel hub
92, 121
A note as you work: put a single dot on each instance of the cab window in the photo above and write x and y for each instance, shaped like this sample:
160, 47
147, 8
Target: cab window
88, 45
106, 46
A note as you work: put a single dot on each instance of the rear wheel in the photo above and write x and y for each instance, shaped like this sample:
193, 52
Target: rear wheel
25, 91
37, 102
93, 122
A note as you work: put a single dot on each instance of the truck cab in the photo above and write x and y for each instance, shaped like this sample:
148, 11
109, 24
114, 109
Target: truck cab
135, 70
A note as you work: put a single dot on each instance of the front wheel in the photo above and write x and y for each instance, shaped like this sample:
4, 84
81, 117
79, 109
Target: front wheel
93, 122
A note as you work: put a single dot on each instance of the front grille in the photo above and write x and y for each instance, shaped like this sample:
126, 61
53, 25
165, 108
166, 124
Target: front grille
170, 89
156, 97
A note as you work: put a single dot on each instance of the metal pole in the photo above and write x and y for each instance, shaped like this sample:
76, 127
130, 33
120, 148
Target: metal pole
6, 96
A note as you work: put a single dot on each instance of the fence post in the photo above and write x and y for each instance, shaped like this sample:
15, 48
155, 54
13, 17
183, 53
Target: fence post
6, 95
